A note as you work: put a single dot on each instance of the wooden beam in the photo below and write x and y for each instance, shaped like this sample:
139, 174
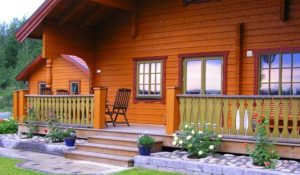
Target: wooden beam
70, 11
127, 5
239, 54
92, 16
133, 25
284, 9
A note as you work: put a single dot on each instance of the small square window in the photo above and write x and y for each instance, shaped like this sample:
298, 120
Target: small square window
75, 87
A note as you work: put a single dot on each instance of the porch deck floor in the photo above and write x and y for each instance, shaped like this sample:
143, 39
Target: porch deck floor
138, 128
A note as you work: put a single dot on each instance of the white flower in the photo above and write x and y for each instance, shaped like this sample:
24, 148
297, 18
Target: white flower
186, 126
193, 132
206, 124
188, 137
220, 136
176, 138
174, 143
190, 145
200, 152
180, 142
200, 132
174, 135
211, 147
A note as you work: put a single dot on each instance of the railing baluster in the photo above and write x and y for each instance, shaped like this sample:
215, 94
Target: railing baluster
242, 110
276, 115
294, 114
267, 111
209, 113
194, 112
249, 112
217, 111
201, 119
285, 115
225, 116
182, 112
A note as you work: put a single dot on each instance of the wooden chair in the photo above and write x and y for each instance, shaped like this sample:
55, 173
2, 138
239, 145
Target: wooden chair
46, 91
119, 107
62, 92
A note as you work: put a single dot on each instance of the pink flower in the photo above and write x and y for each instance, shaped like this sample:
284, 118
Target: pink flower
267, 164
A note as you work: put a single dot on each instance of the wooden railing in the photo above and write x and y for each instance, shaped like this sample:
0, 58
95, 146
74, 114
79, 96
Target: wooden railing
67, 109
234, 115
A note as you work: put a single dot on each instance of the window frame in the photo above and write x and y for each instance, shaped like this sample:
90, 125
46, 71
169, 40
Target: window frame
39, 86
280, 70
149, 98
221, 54
203, 73
79, 87
257, 67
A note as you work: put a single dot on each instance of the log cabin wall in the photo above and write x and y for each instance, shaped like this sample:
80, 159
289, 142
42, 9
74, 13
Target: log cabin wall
63, 72
166, 28
35, 78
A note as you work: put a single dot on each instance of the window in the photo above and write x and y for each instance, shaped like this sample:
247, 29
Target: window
75, 87
149, 79
279, 74
203, 75
42, 85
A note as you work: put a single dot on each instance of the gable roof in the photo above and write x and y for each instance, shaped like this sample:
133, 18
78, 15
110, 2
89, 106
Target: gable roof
37, 17
39, 61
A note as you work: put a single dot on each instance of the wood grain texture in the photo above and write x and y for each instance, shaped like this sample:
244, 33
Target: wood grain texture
167, 28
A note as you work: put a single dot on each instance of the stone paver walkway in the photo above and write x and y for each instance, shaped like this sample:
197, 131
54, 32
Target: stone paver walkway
57, 164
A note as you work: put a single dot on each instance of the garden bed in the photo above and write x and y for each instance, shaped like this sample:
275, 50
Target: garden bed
37, 144
226, 164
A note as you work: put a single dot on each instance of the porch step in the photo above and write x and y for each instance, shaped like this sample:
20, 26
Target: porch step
108, 149
101, 158
112, 140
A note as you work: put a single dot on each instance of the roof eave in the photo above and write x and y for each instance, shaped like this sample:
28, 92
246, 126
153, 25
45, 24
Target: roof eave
36, 18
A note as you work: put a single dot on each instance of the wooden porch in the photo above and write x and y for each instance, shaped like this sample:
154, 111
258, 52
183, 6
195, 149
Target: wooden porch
229, 115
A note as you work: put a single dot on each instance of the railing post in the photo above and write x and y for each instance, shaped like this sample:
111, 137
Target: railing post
172, 110
99, 107
22, 111
16, 105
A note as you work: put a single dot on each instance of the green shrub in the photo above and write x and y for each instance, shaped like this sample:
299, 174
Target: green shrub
198, 144
8, 127
70, 133
55, 135
146, 140
31, 122
264, 152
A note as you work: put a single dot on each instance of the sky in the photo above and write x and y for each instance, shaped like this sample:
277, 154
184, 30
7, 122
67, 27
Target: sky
10, 9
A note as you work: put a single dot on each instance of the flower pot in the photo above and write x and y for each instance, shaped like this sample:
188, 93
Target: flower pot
70, 142
144, 151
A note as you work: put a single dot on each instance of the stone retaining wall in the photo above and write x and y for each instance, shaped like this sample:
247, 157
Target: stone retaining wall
155, 162
37, 145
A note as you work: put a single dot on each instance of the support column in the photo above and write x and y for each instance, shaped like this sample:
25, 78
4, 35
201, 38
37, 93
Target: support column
100, 95
16, 105
172, 110
239, 56
49, 73
22, 107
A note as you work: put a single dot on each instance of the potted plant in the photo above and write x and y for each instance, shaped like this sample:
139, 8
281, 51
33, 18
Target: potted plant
70, 137
145, 144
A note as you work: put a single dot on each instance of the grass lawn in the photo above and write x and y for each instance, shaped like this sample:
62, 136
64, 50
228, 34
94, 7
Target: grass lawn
8, 167
138, 171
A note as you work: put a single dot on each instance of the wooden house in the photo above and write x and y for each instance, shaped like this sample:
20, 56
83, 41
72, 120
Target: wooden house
186, 61
69, 74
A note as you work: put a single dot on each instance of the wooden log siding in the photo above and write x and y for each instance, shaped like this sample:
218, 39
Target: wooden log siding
234, 114
70, 110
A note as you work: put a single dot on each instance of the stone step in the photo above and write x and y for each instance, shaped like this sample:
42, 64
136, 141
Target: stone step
117, 160
108, 149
